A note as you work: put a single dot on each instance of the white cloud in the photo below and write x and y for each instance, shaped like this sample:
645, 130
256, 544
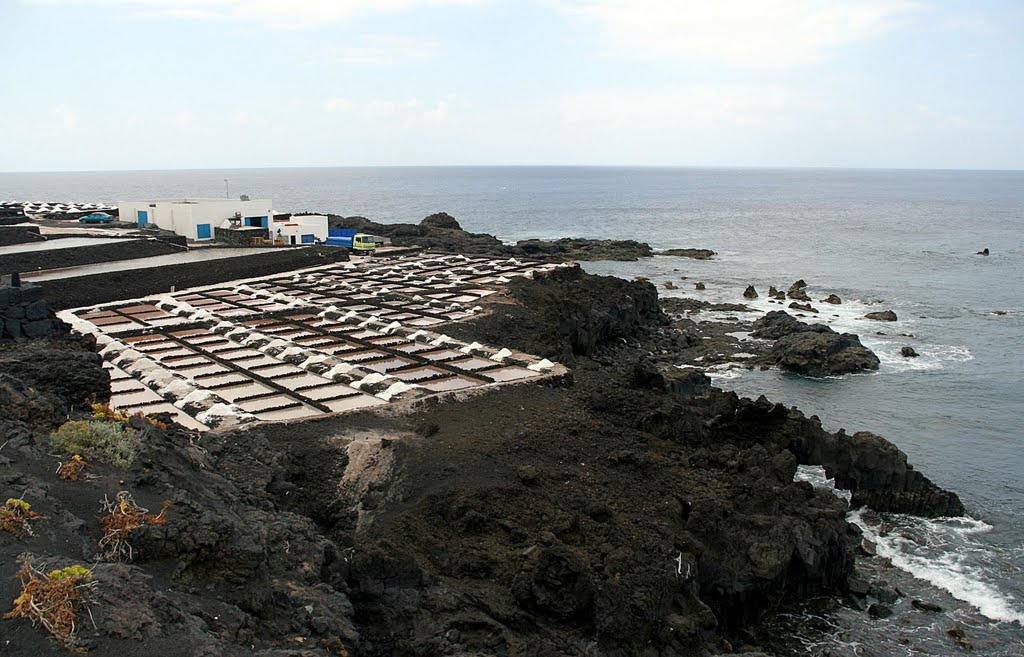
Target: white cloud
744, 33
67, 116
337, 105
378, 50
406, 113
699, 107
274, 13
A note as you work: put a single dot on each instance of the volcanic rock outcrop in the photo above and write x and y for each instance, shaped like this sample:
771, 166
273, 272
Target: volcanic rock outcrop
812, 349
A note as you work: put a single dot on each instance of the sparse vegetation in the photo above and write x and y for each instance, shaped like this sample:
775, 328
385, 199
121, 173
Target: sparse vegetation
71, 469
122, 517
104, 412
16, 516
105, 439
53, 600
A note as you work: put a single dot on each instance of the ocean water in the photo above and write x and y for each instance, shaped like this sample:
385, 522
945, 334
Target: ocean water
882, 240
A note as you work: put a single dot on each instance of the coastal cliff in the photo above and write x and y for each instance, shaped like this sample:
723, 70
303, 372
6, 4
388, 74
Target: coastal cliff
627, 509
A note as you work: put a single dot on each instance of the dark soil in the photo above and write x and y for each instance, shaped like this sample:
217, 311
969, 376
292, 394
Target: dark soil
602, 514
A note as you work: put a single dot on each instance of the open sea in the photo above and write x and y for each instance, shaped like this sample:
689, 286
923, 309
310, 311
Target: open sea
880, 239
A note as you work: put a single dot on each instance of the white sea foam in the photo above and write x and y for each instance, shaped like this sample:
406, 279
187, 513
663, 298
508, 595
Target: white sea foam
930, 357
815, 475
943, 562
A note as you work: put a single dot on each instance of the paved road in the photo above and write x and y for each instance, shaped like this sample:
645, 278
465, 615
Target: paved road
195, 255
63, 243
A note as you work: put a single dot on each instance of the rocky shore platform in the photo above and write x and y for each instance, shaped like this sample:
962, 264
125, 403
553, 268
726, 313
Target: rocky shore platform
629, 508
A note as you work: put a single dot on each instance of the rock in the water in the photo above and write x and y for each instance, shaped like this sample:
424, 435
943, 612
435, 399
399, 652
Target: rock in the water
960, 638
778, 323
806, 307
879, 611
797, 291
669, 285
908, 352
882, 316
699, 286
858, 586
823, 354
924, 605
696, 254
441, 220
812, 349
750, 292
868, 547
833, 299
883, 593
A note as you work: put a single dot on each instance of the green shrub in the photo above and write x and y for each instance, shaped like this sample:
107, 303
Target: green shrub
98, 439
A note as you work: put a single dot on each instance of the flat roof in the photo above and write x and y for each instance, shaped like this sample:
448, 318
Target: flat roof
196, 199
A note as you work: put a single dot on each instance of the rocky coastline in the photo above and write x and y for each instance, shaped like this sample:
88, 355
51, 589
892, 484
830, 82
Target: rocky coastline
630, 508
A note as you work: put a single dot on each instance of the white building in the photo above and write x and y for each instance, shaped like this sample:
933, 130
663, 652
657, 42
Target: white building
300, 229
195, 218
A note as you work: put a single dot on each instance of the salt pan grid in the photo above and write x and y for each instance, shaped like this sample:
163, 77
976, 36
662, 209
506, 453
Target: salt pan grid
324, 340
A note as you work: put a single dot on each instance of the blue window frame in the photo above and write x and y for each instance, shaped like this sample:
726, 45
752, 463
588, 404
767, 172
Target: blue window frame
308, 239
203, 231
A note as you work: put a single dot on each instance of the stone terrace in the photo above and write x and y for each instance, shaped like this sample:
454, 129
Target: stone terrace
323, 340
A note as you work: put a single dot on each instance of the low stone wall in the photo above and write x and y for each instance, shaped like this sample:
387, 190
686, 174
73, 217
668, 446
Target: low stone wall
18, 234
23, 312
239, 237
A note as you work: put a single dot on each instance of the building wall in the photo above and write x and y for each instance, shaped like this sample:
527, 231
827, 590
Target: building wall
187, 216
300, 228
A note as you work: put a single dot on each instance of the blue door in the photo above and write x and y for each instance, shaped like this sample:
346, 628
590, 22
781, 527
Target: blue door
203, 231
142, 217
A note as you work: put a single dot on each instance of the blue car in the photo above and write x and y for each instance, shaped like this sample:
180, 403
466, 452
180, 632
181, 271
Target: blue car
96, 218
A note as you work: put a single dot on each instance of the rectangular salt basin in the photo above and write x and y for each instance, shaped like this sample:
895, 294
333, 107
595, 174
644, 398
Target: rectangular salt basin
134, 398
332, 391
234, 351
278, 370
116, 373
268, 403
154, 346
291, 413
441, 355
359, 356
243, 391
510, 373
188, 360
202, 370
419, 374
211, 381
351, 403
205, 339
125, 385
143, 308
386, 364
472, 364
449, 384
171, 354
300, 381
251, 363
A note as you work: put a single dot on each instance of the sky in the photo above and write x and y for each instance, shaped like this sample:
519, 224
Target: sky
171, 84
